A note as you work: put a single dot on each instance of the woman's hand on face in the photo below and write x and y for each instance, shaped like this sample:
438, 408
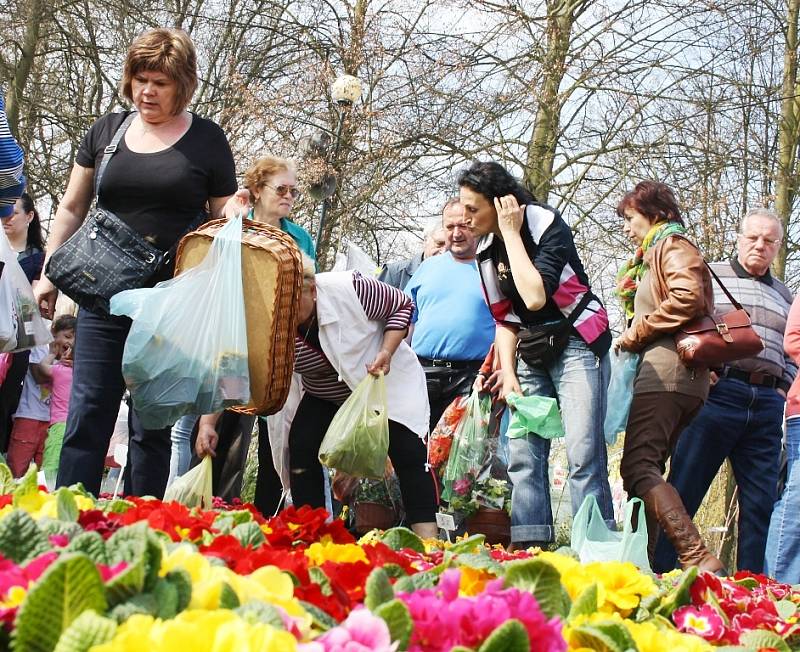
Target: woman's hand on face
46, 294
509, 214
510, 386
207, 439
238, 204
381, 363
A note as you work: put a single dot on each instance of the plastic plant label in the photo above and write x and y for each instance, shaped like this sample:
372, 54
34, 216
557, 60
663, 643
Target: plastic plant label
445, 521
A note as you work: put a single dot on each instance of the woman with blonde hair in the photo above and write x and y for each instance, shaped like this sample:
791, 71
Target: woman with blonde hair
167, 167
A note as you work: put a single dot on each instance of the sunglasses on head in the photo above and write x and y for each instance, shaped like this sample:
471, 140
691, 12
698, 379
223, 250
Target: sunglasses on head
283, 190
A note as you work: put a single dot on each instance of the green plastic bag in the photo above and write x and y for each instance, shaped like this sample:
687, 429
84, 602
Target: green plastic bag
357, 441
469, 450
537, 414
593, 541
193, 488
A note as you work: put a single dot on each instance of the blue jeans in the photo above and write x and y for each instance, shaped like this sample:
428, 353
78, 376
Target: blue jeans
578, 380
741, 422
782, 559
181, 438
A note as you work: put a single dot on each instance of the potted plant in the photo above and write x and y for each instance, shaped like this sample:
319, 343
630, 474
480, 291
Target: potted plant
486, 507
375, 504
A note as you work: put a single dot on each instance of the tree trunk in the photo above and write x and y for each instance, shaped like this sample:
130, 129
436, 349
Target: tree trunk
541, 152
788, 132
24, 65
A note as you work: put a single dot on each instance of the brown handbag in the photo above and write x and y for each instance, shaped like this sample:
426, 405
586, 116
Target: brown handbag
713, 340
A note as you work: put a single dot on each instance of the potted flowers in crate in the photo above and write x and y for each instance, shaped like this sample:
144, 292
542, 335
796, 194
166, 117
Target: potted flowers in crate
485, 504
375, 504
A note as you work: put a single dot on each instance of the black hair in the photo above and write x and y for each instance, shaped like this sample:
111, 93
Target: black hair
34, 237
492, 180
64, 323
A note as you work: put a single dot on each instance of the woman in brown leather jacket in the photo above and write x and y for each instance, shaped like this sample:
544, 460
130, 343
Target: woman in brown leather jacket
663, 287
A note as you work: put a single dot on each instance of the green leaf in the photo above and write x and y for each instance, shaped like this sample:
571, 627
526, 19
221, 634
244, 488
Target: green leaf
26, 486
318, 576
411, 583
249, 534
461, 648
398, 538
20, 538
51, 526
585, 604
679, 596
7, 483
786, 609
70, 586
141, 603
66, 505
166, 596
481, 561
87, 630
378, 589
601, 639
396, 615
394, 571
320, 619
540, 578
256, 611
511, 636
228, 598
473, 543
92, 545
118, 506
760, 638
182, 582
140, 548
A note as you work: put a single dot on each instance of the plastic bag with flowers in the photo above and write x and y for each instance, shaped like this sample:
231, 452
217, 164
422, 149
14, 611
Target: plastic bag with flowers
469, 449
441, 439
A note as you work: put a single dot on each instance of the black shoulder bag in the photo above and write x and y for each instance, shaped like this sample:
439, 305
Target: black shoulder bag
105, 255
542, 345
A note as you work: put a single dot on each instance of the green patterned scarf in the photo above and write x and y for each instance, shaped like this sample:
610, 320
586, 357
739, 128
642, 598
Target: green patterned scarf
630, 273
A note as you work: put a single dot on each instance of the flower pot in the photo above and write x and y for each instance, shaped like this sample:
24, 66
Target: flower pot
495, 524
372, 516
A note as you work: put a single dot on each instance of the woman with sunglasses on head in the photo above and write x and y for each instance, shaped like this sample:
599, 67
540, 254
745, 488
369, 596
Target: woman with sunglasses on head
271, 189
539, 293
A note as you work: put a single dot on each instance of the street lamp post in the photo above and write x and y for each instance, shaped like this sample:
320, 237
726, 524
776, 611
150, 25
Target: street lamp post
344, 91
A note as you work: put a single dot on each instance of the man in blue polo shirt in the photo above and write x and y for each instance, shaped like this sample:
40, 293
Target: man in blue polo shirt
452, 326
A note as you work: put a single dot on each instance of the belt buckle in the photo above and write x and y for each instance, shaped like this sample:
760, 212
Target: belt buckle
443, 363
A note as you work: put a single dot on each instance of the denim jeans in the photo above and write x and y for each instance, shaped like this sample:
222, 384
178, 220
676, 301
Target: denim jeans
578, 380
741, 422
782, 559
97, 387
181, 438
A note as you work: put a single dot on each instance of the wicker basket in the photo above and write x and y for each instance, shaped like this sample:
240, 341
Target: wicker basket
272, 277
494, 523
374, 516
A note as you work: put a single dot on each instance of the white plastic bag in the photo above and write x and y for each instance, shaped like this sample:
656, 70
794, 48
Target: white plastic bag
193, 488
186, 352
21, 325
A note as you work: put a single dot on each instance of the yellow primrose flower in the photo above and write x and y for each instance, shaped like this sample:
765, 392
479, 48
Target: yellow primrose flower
623, 585
5, 511
650, 638
326, 550
473, 580
573, 574
14, 597
185, 556
198, 631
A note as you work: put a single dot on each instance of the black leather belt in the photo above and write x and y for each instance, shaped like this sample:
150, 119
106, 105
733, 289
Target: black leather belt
752, 377
450, 364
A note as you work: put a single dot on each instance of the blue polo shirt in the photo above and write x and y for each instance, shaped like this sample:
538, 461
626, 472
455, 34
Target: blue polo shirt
451, 319
301, 237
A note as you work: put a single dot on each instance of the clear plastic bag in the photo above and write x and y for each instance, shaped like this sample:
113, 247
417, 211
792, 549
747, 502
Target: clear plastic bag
186, 352
620, 394
536, 414
357, 441
193, 488
21, 324
469, 449
593, 541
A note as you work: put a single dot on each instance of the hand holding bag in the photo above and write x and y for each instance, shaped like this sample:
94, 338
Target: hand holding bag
711, 340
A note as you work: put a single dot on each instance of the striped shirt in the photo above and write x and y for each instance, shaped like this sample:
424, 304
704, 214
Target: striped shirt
11, 163
768, 301
381, 302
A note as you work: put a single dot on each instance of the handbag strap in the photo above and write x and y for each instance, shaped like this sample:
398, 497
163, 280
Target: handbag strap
731, 298
111, 148
585, 299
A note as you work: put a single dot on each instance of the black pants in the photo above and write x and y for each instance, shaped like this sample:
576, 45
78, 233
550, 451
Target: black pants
406, 450
268, 483
10, 393
445, 384
97, 388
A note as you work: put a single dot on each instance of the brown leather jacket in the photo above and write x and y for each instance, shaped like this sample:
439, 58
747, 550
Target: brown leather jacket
682, 281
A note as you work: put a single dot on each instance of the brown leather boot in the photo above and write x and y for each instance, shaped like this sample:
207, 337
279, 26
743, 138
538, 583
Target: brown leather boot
665, 503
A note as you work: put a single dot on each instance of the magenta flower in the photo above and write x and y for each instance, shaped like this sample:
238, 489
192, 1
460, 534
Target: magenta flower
462, 486
703, 621
360, 632
443, 620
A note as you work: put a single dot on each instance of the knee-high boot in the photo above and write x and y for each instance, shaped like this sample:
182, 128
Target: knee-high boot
664, 502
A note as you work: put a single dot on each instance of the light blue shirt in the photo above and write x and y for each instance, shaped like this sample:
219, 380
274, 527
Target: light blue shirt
451, 319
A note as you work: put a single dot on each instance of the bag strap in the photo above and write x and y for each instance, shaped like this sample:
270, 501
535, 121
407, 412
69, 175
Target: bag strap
731, 298
585, 300
111, 148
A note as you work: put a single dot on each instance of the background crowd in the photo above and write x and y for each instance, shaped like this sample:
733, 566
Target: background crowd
498, 300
